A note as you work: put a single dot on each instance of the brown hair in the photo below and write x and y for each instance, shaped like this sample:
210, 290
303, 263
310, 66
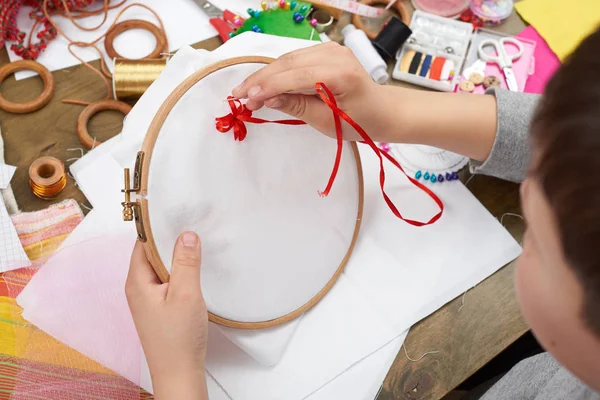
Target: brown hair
566, 144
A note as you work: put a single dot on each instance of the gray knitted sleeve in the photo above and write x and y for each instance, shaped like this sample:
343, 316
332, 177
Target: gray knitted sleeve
510, 153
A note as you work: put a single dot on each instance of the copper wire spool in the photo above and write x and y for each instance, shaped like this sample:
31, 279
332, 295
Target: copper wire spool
161, 39
131, 78
399, 6
47, 177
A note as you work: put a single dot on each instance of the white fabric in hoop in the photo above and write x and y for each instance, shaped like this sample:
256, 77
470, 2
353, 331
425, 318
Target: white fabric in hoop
270, 243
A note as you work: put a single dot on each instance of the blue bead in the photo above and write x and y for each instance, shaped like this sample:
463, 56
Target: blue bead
454, 176
299, 19
448, 176
303, 9
293, 5
440, 178
426, 176
433, 178
255, 28
418, 175
295, 15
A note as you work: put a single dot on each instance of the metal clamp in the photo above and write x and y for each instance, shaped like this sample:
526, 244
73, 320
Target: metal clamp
131, 209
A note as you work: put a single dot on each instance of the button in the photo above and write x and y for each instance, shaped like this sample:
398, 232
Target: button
491, 81
466, 86
476, 78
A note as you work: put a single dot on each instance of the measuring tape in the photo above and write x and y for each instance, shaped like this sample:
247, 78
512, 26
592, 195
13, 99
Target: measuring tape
353, 7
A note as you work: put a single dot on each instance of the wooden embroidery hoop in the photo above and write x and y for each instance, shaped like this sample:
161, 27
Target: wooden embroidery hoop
138, 210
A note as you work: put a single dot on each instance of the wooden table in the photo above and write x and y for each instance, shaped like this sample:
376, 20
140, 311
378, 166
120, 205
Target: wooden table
488, 323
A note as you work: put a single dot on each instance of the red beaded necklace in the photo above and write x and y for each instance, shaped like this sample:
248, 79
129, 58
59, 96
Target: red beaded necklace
10, 32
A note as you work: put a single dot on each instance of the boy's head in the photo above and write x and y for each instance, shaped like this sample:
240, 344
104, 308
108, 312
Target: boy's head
558, 275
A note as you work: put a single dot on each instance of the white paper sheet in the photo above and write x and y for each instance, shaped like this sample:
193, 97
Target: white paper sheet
12, 254
363, 380
6, 174
185, 23
401, 274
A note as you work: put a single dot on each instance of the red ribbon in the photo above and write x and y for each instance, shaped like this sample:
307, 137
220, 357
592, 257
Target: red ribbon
240, 114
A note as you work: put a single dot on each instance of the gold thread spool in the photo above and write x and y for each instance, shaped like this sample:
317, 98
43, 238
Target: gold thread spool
47, 177
131, 78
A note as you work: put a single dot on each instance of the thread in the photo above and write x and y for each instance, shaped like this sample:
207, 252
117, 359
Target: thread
469, 180
420, 358
463, 301
357, 41
131, 78
77, 149
47, 177
510, 215
103, 73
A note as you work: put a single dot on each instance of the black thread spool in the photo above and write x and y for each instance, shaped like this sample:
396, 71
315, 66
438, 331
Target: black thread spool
391, 38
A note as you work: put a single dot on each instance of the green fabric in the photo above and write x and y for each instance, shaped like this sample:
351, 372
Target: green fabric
280, 22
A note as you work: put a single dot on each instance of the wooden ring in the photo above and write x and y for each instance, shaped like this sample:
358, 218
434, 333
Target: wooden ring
82, 131
401, 9
161, 39
37, 103
149, 244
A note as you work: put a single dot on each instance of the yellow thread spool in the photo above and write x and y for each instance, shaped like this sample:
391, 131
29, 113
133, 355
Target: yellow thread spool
131, 78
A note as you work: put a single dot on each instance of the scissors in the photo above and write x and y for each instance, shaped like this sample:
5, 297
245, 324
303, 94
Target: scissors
223, 21
503, 59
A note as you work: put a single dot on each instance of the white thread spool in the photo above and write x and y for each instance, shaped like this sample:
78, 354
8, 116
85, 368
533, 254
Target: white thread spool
357, 41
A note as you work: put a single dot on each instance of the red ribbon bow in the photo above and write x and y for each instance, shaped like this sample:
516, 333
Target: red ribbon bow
240, 114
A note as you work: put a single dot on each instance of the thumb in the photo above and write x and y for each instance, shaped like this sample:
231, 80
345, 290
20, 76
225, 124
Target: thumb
309, 109
185, 270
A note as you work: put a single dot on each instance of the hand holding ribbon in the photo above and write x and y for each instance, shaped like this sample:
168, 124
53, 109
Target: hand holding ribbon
240, 114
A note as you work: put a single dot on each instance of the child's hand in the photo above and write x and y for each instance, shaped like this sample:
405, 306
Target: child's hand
299, 70
171, 320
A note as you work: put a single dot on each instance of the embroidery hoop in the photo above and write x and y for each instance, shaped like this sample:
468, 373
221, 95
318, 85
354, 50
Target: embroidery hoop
139, 210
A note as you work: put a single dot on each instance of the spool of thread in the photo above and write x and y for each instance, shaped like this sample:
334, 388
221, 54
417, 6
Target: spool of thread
47, 177
391, 38
131, 78
362, 48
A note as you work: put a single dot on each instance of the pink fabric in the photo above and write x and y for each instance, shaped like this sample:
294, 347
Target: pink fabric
100, 325
546, 62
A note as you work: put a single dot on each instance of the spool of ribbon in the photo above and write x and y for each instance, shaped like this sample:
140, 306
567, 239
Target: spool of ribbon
240, 115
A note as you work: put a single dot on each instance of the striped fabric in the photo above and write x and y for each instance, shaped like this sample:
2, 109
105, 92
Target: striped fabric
33, 365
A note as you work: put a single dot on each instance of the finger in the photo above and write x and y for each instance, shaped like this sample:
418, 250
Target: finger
302, 79
185, 270
309, 109
312, 56
141, 276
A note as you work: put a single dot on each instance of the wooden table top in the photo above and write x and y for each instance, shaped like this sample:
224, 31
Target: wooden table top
488, 323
